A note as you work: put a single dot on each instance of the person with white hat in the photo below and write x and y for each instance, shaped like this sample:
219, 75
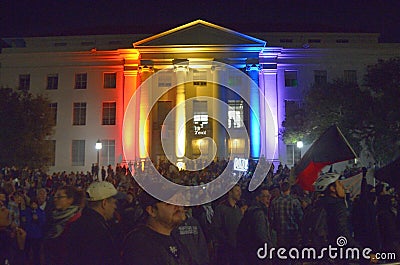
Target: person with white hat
91, 240
334, 203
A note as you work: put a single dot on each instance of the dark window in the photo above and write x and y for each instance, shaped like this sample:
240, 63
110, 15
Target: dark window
350, 76
320, 77
109, 113
24, 82
110, 80
53, 113
78, 152
51, 147
52, 81
290, 78
107, 152
81, 81
79, 115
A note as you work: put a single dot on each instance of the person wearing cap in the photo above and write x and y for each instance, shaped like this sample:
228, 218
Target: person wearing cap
91, 240
152, 243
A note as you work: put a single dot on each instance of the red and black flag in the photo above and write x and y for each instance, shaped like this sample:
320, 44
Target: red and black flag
331, 147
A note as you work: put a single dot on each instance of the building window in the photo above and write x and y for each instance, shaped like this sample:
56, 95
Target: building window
81, 81
199, 78
350, 76
200, 117
342, 41
320, 77
24, 82
53, 113
293, 154
79, 115
109, 113
163, 107
290, 78
285, 40
107, 152
52, 81
51, 147
235, 114
110, 80
314, 41
164, 80
78, 152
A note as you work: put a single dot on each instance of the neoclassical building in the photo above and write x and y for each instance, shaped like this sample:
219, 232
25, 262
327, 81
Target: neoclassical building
168, 95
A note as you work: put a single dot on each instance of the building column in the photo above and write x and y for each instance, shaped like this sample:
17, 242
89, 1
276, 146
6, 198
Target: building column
269, 112
145, 71
181, 71
131, 137
220, 112
254, 113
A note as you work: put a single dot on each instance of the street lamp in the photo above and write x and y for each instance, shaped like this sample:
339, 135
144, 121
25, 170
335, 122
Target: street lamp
300, 144
98, 147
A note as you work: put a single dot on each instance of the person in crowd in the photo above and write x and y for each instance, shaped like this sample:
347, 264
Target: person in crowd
68, 206
275, 191
90, 240
42, 198
336, 210
363, 217
153, 242
35, 220
386, 218
226, 219
254, 229
12, 239
286, 215
192, 236
204, 214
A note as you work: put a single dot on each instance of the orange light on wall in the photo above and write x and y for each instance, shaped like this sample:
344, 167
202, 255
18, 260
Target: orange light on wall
144, 123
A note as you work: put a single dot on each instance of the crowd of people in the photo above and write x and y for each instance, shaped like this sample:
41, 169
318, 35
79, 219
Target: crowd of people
107, 218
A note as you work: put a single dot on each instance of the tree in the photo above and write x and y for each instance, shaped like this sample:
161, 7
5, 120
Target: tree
383, 82
26, 123
339, 103
366, 114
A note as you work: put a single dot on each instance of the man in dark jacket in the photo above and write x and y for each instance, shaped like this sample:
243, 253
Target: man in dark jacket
226, 220
153, 243
254, 229
336, 210
91, 241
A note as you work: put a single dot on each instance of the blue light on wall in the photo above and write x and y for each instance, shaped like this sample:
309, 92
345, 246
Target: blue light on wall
255, 139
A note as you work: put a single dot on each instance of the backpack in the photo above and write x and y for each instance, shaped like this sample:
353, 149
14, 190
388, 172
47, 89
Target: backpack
245, 231
314, 226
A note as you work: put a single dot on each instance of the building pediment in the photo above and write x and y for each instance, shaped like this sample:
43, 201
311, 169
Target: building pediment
199, 33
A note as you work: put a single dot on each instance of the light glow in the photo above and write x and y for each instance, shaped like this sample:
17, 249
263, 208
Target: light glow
299, 144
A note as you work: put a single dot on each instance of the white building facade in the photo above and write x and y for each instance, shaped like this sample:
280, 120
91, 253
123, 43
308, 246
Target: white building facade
90, 82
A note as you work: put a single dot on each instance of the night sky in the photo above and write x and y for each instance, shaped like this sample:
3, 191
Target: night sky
64, 17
